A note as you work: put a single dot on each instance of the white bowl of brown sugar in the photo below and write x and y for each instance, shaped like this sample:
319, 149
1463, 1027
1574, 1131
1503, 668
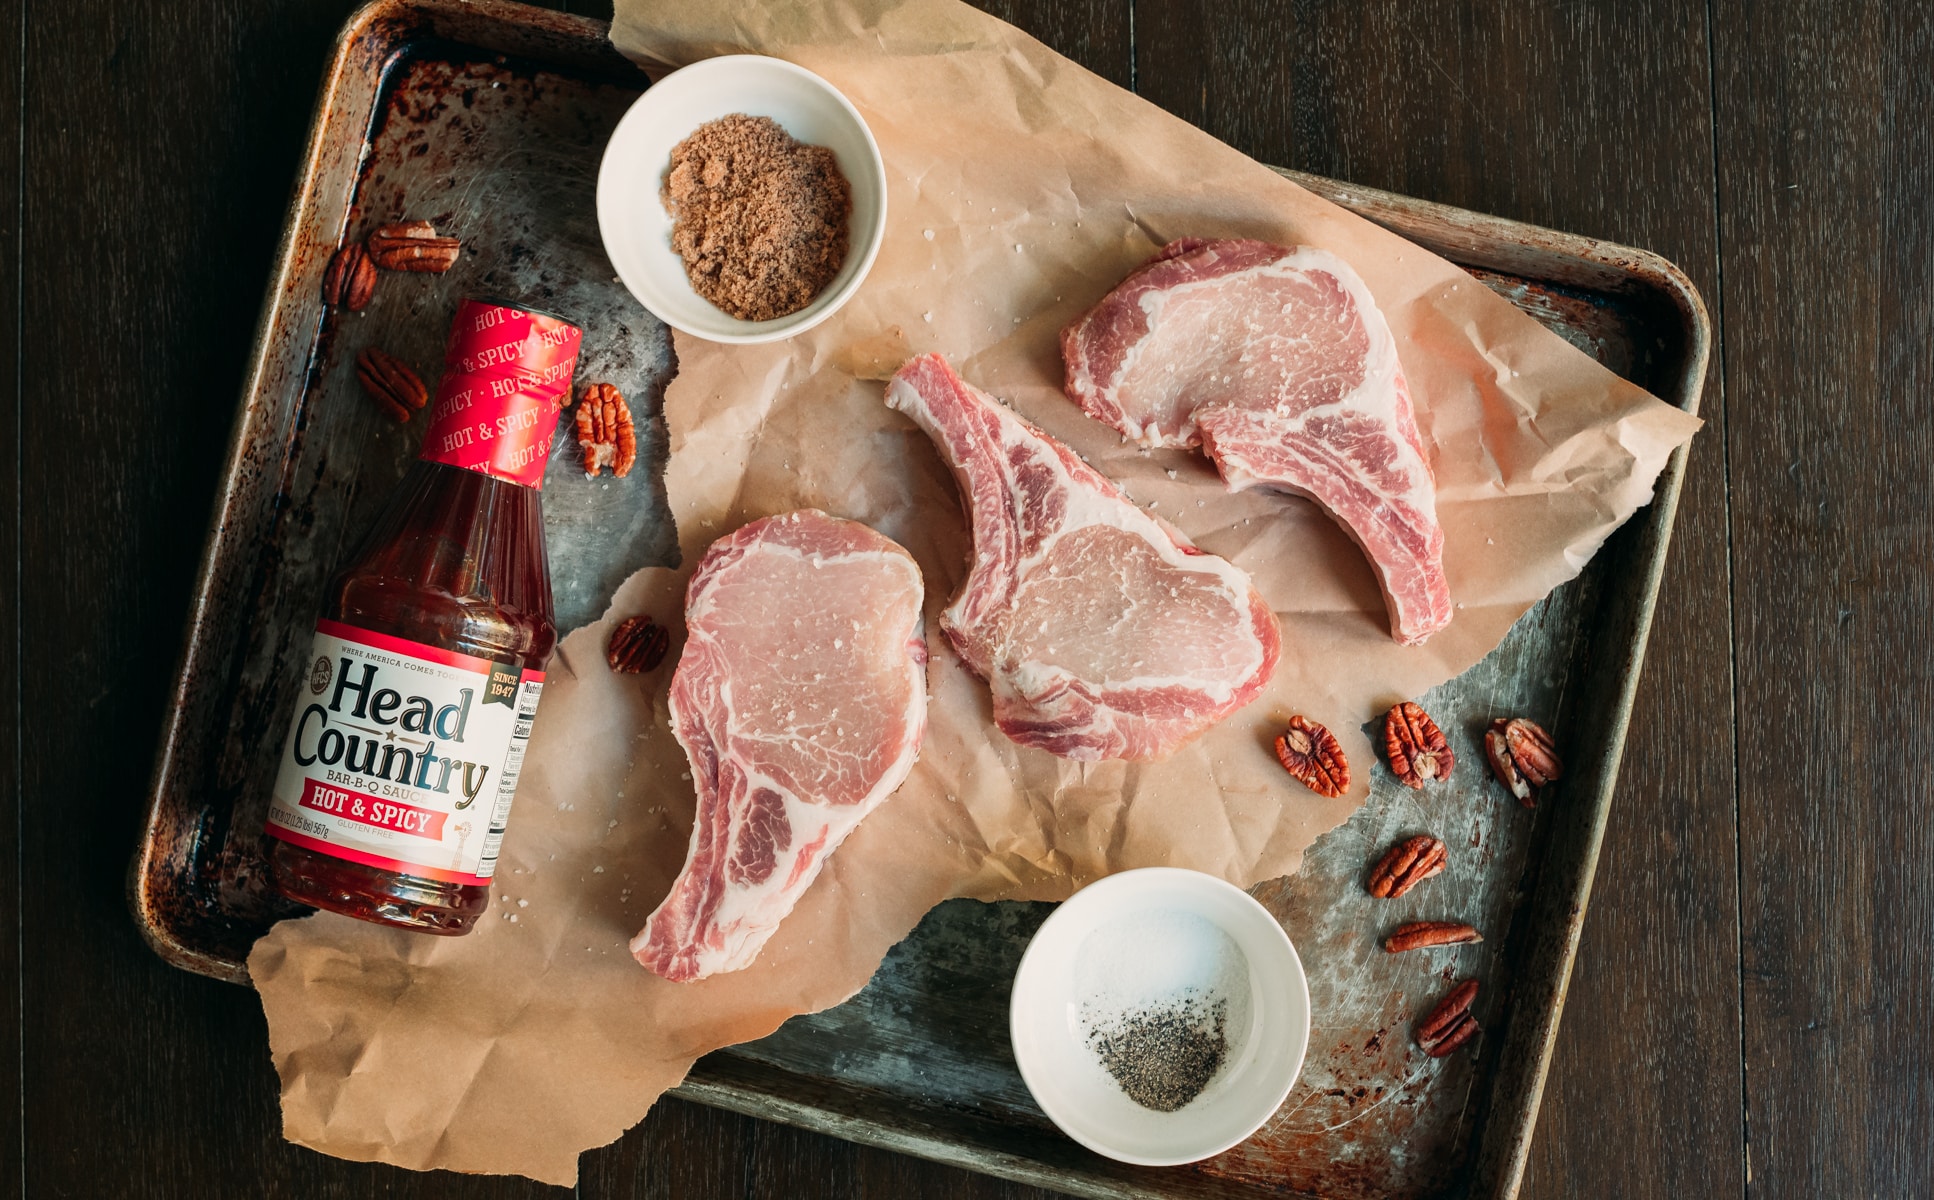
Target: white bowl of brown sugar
742, 199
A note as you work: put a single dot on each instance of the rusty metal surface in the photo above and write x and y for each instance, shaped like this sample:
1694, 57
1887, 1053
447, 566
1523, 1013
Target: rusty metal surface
488, 118
422, 116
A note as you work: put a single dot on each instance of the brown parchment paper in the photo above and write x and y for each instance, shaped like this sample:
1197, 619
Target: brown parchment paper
1021, 188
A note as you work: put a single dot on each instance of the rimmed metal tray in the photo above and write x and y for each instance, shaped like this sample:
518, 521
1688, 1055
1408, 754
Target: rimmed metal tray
489, 117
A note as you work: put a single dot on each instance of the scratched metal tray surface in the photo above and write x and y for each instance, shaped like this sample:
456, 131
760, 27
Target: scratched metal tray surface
489, 118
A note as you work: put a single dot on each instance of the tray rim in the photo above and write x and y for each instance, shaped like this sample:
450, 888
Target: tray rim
1467, 238
162, 935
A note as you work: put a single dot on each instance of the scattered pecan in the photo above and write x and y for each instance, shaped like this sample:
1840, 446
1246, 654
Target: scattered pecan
1450, 1024
1420, 934
1309, 752
604, 431
638, 644
1459, 1033
1417, 749
1523, 757
413, 246
350, 279
1407, 864
392, 383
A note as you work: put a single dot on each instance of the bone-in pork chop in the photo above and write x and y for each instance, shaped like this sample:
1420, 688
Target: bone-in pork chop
1102, 633
800, 699
1279, 365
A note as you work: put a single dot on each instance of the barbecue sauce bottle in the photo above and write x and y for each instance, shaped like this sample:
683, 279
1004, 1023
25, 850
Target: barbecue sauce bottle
419, 693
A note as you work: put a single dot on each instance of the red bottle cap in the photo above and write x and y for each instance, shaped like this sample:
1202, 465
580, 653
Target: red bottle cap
506, 377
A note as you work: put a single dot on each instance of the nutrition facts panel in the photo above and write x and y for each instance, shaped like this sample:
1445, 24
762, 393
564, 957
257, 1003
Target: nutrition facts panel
520, 737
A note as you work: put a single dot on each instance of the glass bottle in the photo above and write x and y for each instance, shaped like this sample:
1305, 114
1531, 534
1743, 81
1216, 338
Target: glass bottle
422, 685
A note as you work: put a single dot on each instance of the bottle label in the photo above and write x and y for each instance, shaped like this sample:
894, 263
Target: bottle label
506, 376
403, 756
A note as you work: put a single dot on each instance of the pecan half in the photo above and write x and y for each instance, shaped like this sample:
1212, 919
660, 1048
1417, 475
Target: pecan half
1407, 864
1309, 752
395, 387
604, 431
413, 246
1459, 1033
350, 279
1421, 934
638, 644
1416, 747
1450, 1024
1523, 757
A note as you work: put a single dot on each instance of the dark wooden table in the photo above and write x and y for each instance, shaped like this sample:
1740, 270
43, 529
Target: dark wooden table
1751, 1003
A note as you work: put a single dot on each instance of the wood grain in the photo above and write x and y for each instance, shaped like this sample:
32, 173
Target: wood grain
11, 110
1781, 156
1828, 256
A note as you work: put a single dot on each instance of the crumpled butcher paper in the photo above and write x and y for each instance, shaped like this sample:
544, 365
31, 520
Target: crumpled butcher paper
1021, 188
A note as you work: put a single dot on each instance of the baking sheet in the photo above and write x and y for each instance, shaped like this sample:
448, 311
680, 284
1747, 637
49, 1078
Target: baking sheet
1020, 189
552, 713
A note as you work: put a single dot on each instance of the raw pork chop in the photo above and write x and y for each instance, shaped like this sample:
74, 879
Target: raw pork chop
1279, 365
1102, 633
800, 699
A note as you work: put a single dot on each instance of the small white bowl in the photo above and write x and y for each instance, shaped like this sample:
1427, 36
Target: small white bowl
1149, 932
637, 230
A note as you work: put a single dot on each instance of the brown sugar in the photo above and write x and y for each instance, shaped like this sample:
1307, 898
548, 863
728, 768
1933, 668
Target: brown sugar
759, 218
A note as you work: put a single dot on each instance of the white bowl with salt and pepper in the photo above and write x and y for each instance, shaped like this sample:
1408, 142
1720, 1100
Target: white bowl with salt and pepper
1160, 989
637, 229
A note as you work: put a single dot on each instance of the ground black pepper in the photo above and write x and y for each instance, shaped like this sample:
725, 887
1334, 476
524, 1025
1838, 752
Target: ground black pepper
1163, 1055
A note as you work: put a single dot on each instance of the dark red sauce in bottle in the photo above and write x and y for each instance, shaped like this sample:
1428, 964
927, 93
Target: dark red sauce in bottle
422, 687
